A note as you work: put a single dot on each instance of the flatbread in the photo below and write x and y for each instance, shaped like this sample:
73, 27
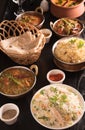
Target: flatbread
22, 44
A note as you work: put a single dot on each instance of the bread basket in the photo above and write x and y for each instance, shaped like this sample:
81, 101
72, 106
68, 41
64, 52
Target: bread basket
9, 30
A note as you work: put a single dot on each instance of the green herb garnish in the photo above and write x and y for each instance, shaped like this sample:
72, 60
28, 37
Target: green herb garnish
44, 118
13, 79
80, 44
42, 92
63, 98
53, 99
53, 89
73, 40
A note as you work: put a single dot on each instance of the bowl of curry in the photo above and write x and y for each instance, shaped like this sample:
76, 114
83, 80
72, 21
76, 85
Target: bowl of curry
16, 81
67, 8
64, 27
33, 17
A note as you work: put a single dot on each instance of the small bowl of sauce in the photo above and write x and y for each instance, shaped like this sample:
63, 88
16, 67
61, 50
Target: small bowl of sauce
56, 76
9, 113
47, 33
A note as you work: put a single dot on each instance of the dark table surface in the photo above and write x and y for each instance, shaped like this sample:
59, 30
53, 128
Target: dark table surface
45, 63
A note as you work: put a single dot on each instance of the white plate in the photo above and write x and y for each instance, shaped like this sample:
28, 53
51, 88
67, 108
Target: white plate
50, 105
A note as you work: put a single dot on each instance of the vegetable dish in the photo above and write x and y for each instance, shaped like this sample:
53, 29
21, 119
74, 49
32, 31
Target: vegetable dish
68, 27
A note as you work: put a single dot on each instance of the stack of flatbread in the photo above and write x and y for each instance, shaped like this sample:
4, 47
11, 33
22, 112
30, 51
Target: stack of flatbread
22, 44
26, 47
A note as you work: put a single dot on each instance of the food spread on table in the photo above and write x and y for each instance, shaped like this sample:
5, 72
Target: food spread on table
52, 107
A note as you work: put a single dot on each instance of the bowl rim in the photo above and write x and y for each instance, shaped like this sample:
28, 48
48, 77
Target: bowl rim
55, 71
72, 7
73, 90
74, 19
55, 44
18, 95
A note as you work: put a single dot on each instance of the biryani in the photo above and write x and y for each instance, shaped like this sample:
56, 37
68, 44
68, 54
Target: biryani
56, 106
71, 50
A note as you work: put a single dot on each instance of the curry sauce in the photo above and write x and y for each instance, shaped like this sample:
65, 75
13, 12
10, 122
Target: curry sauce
67, 3
16, 81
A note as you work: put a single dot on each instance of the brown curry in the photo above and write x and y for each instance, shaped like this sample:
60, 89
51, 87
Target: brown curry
67, 3
33, 19
16, 81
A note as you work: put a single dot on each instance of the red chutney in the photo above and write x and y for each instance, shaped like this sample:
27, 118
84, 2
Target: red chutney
55, 77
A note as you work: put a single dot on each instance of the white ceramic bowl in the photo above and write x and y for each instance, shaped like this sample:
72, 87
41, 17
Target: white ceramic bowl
9, 113
57, 106
55, 76
47, 33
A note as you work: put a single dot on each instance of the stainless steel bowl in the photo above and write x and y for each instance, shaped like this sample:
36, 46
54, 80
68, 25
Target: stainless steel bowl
71, 67
33, 13
23, 90
54, 27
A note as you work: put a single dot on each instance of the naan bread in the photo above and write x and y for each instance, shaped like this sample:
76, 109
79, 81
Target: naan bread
22, 44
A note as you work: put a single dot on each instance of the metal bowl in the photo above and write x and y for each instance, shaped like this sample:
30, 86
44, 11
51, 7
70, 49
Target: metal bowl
71, 67
35, 13
67, 29
18, 82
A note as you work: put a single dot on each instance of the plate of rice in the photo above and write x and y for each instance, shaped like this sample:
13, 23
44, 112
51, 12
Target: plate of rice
57, 106
69, 53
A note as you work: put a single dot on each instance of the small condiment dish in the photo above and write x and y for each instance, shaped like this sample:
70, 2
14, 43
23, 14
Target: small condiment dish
9, 113
55, 76
47, 33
